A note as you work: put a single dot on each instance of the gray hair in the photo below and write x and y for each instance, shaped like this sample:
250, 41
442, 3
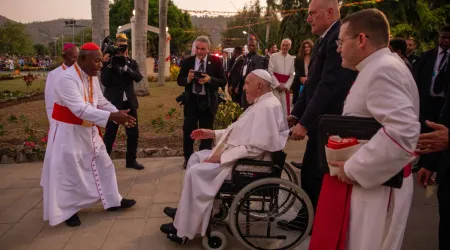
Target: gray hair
287, 39
203, 39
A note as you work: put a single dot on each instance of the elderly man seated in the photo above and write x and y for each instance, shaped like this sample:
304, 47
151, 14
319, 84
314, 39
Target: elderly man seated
261, 129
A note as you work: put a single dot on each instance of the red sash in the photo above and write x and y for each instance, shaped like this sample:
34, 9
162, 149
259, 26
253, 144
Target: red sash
331, 222
282, 79
63, 114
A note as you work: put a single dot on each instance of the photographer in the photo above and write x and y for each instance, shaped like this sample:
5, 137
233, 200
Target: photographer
118, 74
201, 75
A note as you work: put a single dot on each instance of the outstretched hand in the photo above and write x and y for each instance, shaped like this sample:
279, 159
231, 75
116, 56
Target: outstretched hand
121, 117
435, 141
202, 134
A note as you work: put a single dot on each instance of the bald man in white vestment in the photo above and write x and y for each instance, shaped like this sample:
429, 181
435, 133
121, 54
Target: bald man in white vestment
375, 216
260, 130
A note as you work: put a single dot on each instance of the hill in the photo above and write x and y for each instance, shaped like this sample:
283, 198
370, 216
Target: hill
214, 25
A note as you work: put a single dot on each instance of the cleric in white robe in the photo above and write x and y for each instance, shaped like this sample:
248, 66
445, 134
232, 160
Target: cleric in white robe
260, 130
70, 56
384, 90
281, 67
78, 171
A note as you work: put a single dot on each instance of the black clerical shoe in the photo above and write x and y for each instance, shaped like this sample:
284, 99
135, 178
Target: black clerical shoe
176, 239
296, 164
170, 211
135, 165
124, 203
168, 229
73, 221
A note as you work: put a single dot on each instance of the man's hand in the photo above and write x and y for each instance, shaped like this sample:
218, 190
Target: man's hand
106, 57
236, 90
292, 121
298, 132
424, 177
206, 78
122, 118
303, 79
201, 134
281, 88
435, 141
191, 75
341, 175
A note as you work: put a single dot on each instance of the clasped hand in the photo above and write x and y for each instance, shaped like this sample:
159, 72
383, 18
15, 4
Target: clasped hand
191, 75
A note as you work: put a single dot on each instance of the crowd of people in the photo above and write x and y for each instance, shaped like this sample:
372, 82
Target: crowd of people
353, 69
11, 62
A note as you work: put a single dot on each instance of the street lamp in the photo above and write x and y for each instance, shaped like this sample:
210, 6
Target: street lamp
134, 12
245, 32
167, 29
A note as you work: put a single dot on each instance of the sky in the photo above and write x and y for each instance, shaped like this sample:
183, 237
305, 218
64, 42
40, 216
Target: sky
26, 11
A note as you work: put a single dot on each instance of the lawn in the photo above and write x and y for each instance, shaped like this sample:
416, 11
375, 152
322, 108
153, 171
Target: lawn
19, 85
160, 118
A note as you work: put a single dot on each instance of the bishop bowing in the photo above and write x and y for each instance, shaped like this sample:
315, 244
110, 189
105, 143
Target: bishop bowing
261, 129
281, 67
77, 170
374, 216
70, 56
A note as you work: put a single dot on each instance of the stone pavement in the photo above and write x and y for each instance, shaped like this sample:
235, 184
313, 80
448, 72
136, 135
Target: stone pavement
157, 186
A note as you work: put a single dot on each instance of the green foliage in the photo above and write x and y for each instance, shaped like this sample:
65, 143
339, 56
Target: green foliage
120, 12
227, 113
15, 40
295, 26
12, 119
40, 49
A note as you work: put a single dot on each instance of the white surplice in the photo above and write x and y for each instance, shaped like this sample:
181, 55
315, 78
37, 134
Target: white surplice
49, 94
386, 91
78, 171
260, 130
282, 65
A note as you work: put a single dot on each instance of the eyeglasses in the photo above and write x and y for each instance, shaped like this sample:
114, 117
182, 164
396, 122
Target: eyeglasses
340, 41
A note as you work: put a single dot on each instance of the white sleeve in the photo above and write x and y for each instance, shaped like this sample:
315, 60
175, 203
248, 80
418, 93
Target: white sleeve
103, 103
291, 76
392, 147
271, 69
67, 89
218, 134
49, 95
239, 152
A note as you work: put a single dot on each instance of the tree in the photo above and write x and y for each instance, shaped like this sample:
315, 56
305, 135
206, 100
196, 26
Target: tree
100, 20
163, 4
141, 7
15, 40
41, 49
294, 25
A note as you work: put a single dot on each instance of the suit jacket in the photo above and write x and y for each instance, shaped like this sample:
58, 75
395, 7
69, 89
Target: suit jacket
117, 82
327, 85
235, 78
214, 69
299, 72
423, 74
255, 61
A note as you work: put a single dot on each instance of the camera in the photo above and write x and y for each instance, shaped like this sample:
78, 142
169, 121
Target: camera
108, 47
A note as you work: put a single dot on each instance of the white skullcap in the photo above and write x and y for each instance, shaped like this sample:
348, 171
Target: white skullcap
263, 74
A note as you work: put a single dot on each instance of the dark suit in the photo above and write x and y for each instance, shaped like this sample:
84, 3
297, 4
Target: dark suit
117, 83
299, 66
326, 89
253, 61
235, 78
200, 110
430, 106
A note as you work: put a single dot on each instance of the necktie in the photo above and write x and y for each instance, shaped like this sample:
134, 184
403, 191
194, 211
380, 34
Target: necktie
198, 86
438, 84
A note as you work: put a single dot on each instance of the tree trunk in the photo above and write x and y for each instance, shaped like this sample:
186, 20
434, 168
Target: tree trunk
163, 5
100, 20
141, 8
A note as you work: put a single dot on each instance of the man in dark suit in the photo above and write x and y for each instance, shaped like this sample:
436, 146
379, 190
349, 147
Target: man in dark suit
326, 89
428, 73
233, 77
410, 50
201, 93
118, 75
436, 143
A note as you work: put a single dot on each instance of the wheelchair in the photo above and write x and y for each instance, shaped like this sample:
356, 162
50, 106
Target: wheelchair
255, 202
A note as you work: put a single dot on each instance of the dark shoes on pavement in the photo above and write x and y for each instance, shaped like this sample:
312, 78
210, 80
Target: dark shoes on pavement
171, 232
124, 204
135, 165
73, 221
170, 211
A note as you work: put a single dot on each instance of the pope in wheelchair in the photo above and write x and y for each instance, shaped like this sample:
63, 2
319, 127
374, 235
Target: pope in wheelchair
261, 130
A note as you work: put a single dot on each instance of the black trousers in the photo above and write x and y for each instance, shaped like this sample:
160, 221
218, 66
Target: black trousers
311, 176
132, 136
196, 115
443, 195
432, 113
236, 97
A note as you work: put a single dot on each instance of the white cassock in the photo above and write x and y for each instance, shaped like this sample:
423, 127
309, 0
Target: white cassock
260, 130
78, 171
386, 91
282, 69
52, 79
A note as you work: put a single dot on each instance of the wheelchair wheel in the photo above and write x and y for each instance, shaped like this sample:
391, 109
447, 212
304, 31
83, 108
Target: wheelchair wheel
217, 241
264, 232
289, 173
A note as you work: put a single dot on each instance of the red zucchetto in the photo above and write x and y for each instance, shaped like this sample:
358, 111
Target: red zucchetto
90, 46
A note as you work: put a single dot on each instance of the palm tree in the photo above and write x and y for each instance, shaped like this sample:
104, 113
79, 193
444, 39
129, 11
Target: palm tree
100, 20
141, 9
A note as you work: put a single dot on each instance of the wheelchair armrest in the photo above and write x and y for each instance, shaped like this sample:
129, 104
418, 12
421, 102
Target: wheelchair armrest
256, 163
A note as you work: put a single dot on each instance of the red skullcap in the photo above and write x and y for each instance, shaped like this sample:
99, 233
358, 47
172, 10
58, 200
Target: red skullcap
90, 46
68, 46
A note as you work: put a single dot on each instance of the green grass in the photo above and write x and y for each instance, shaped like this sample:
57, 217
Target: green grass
19, 85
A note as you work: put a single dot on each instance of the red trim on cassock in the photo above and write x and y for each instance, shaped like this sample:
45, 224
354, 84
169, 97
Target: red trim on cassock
283, 79
63, 114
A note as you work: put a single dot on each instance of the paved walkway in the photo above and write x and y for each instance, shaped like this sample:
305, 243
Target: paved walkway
157, 186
